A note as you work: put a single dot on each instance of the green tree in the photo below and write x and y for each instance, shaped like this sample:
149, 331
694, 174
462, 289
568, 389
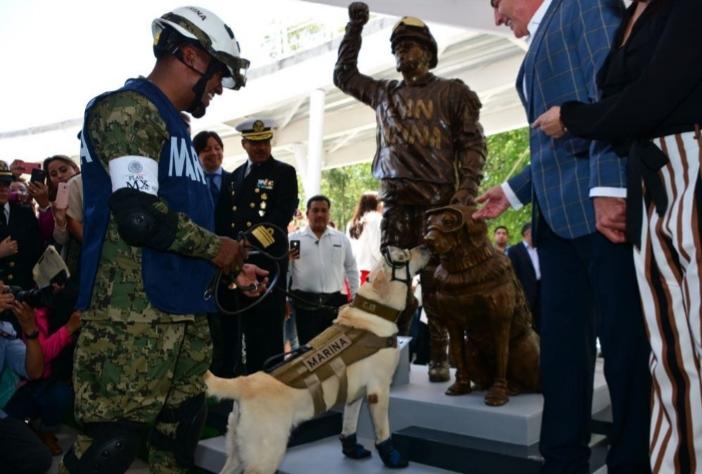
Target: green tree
344, 187
508, 154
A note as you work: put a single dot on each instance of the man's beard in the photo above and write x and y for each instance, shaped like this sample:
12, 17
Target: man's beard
198, 110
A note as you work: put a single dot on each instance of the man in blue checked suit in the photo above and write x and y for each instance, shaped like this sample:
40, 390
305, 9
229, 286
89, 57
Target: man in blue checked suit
588, 286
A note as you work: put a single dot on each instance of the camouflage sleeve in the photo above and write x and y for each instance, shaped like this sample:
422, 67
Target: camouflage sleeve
193, 240
128, 123
123, 124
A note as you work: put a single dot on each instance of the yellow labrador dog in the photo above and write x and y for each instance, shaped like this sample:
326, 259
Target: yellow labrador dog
265, 409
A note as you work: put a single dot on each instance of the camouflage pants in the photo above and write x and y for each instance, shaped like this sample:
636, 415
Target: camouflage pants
131, 371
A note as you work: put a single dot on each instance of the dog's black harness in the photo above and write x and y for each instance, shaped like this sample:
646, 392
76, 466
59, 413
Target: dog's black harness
397, 266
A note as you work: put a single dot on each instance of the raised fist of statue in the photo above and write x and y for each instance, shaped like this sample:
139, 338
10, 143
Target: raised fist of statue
358, 13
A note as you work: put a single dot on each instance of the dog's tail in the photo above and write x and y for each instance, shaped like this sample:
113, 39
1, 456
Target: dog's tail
229, 389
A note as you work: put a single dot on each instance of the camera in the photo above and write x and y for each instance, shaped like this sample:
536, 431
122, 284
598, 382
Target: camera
36, 297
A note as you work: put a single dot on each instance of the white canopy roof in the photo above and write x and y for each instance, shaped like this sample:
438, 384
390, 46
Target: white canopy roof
470, 48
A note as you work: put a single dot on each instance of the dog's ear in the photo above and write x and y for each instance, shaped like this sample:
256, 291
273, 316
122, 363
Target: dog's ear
380, 281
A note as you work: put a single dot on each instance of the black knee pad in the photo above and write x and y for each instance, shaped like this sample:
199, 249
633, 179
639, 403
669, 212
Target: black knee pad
190, 416
114, 448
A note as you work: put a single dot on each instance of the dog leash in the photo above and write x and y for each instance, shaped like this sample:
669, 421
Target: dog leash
262, 239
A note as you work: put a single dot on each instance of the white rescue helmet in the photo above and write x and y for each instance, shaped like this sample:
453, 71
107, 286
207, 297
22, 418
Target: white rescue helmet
211, 33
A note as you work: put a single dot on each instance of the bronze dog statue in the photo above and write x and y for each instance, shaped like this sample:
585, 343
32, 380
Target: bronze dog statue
480, 300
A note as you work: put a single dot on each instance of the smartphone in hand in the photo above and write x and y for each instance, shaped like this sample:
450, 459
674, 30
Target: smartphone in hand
38, 176
295, 248
61, 201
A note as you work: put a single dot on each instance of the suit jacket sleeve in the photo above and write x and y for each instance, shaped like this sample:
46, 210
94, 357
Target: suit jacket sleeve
33, 240
514, 258
674, 72
593, 31
521, 185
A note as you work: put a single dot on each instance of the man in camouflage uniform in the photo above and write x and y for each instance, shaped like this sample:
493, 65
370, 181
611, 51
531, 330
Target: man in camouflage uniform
431, 148
149, 254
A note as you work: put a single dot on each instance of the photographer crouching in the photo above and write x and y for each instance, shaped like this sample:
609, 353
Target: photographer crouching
20, 449
47, 401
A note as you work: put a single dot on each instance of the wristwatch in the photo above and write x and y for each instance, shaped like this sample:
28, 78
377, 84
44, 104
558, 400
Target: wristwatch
32, 335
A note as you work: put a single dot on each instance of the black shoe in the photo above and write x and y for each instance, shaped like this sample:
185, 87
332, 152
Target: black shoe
352, 449
391, 457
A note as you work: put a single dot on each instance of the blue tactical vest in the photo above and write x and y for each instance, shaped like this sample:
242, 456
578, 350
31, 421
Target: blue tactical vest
173, 283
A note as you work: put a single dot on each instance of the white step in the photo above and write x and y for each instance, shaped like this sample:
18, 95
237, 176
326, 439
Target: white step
424, 404
323, 456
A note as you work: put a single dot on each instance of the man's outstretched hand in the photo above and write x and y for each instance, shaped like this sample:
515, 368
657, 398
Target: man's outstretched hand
358, 13
495, 203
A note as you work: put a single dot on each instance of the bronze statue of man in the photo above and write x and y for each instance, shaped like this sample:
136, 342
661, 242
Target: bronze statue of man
431, 147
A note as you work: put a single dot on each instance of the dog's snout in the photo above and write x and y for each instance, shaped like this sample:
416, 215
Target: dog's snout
430, 237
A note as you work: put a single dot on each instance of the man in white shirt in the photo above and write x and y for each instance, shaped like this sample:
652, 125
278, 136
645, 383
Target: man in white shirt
318, 270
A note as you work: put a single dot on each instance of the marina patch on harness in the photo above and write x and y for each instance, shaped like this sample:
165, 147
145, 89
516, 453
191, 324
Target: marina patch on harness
327, 352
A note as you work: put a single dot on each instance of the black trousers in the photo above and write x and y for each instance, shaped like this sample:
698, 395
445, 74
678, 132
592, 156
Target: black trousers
21, 450
226, 345
262, 327
312, 321
588, 289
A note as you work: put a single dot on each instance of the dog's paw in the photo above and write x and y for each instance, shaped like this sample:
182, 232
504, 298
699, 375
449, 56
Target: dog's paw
391, 457
497, 395
439, 372
459, 387
352, 449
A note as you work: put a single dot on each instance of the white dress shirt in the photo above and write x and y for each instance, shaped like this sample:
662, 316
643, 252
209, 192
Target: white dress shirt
534, 257
324, 263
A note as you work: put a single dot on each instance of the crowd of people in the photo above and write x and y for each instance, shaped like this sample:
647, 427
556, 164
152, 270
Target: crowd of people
39, 325
152, 231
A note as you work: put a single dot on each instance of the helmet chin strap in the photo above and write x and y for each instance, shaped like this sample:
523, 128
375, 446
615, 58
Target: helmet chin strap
197, 107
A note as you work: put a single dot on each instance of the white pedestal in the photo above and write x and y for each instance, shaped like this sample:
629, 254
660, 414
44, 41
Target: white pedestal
424, 404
